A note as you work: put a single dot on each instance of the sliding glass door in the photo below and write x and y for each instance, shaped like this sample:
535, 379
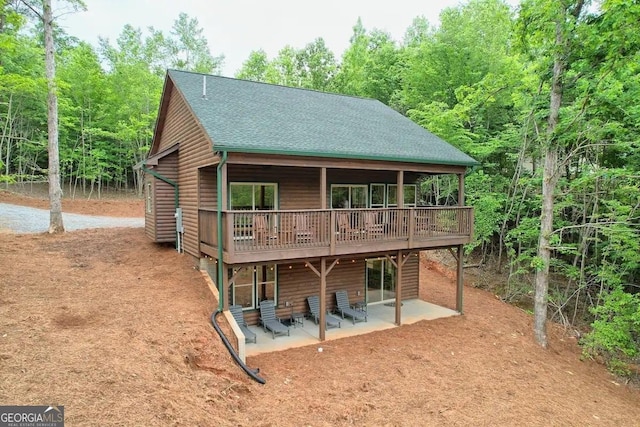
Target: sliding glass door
381, 280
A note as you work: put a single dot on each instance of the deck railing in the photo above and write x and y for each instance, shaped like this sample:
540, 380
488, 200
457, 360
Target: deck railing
251, 231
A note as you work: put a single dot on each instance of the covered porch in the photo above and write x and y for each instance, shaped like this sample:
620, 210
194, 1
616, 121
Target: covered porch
253, 236
380, 317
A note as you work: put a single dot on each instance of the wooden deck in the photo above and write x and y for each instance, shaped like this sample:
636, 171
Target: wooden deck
254, 236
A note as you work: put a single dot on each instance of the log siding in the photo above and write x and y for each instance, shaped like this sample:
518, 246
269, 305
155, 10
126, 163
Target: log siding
296, 282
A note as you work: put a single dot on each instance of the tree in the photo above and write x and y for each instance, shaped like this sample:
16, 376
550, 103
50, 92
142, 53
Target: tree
55, 191
189, 48
255, 67
315, 65
369, 66
564, 15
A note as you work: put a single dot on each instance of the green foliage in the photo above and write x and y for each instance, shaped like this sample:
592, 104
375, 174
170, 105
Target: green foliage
313, 67
488, 208
615, 333
369, 66
480, 80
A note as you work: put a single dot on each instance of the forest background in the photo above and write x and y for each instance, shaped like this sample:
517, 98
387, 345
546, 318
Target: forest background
544, 96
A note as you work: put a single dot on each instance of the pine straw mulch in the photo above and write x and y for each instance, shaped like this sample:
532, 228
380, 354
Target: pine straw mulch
117, 329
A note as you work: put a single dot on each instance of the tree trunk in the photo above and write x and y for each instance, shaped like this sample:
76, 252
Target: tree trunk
55, 191
549, 182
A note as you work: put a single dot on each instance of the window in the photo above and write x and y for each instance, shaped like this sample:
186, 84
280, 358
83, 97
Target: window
149, 199
377, 196
392, 195
348, 196
246, 196
409, 195
254, 284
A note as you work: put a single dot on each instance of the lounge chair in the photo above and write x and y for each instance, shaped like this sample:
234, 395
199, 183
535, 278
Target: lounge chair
344, 308
236, 312
270, 321
314, 308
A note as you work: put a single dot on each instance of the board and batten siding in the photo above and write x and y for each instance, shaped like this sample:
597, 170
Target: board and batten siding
195, 152
296, 282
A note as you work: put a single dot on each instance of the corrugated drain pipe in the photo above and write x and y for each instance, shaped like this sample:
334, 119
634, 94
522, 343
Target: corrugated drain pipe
253, 373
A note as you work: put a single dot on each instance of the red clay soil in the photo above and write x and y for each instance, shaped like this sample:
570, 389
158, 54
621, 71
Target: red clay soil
116, 329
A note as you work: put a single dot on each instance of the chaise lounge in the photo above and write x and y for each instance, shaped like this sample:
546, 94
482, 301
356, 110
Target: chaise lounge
344, 308
236, 312
270, 321
314, 308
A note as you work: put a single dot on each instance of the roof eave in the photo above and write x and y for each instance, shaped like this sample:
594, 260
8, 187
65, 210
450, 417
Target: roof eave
352, 156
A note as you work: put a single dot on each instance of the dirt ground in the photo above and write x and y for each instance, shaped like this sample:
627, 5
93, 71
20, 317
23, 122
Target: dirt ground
117, 330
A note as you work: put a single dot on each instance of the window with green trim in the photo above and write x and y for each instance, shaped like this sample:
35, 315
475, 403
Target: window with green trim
378, 196
409, 195
344, 196
254, 284
253, 196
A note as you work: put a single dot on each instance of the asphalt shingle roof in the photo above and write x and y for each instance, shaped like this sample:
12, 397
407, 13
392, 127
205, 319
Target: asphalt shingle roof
246, 116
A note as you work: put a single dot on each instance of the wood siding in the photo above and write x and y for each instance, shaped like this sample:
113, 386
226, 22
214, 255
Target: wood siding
150, 216
195, 152
208, 188
298, 188
296, 282
164, 199
411, 277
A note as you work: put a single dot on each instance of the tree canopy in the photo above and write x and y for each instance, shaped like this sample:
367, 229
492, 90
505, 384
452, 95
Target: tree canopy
514, 88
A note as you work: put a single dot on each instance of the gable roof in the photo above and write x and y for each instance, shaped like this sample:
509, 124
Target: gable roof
251, 117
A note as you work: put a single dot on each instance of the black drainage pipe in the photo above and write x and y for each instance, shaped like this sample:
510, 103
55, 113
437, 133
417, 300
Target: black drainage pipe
253, 373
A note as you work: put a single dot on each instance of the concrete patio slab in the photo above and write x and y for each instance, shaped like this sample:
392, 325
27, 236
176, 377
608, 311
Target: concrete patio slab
380, 317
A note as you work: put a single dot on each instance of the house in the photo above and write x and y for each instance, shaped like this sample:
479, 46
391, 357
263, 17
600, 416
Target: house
289, 193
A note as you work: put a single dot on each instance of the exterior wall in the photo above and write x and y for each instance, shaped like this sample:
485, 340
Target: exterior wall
298, 188
208, 189
295, 284
150, 216
164, 203
195, 151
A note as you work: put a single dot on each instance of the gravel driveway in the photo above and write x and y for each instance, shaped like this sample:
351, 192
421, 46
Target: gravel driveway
22, 219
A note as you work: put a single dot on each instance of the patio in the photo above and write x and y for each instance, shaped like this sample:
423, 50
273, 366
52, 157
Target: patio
380, 316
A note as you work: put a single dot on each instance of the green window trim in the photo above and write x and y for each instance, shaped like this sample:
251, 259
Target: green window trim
253, 196
349, 196
254, 284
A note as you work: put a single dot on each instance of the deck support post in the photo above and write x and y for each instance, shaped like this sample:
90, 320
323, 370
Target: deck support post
322, 274
460, 272
323, 297
460, 280
399, 264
